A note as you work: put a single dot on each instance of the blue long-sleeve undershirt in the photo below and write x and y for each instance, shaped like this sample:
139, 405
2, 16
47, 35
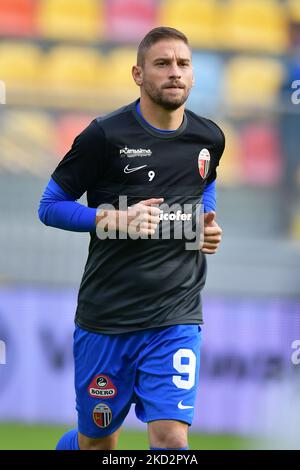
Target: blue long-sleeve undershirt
210, 197
59, 209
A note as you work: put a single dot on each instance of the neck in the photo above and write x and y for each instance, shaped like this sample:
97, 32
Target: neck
159, 117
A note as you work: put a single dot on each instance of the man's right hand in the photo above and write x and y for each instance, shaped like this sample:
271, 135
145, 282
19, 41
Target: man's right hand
141, 218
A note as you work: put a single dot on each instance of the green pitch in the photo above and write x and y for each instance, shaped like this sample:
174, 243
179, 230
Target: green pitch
31, 437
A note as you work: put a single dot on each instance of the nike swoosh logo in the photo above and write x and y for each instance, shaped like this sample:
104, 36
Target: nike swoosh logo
183, 407
130, 170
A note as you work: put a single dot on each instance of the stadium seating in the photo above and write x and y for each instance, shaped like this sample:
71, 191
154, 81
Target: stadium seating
229, 171
70, 67
26, 140
252, 81
293, 7
129, 20
119, 64
20, 63
206, 95
70, 19
17, 17
261, 160
197, 19
254, 25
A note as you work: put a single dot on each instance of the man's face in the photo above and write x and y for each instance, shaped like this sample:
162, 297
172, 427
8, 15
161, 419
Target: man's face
167, 74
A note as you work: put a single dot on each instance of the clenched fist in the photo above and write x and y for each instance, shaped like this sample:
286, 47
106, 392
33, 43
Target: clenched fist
140, 219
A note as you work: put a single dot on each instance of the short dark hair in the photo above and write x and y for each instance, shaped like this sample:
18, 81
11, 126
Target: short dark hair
156, 35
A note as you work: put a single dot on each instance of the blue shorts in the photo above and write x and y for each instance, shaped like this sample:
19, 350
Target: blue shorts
157, 369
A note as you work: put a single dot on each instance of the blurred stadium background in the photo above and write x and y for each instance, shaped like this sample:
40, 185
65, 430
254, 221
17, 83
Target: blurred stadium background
64, 62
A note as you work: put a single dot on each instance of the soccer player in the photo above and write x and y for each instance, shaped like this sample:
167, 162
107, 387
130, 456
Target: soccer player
138, 319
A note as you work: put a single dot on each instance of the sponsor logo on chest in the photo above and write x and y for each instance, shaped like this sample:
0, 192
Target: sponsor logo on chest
132, 153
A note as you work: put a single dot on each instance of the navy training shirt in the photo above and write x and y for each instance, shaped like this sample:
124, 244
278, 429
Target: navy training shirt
131, 285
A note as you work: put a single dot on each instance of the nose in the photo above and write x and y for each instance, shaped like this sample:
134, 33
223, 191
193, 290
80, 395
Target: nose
174, 71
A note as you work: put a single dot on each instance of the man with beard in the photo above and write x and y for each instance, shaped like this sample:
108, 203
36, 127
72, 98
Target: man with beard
137, 325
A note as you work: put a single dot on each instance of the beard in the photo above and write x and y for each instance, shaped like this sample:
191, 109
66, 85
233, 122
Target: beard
166, 101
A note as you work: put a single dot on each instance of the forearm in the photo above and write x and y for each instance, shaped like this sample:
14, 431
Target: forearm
210, 197
68, 215
59, 209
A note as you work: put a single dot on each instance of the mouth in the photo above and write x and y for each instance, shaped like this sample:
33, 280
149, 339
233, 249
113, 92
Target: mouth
176, 86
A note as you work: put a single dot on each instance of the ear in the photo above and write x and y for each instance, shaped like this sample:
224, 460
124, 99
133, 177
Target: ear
137, 74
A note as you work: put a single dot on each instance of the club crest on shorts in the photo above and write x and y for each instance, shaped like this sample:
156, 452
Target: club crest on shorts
203, 163
102, 415
102, 387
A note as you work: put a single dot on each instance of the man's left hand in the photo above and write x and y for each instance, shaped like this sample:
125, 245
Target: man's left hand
212, 234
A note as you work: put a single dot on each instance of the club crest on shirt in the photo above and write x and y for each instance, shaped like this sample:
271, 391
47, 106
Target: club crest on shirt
102, 387
102, 415
203, 163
